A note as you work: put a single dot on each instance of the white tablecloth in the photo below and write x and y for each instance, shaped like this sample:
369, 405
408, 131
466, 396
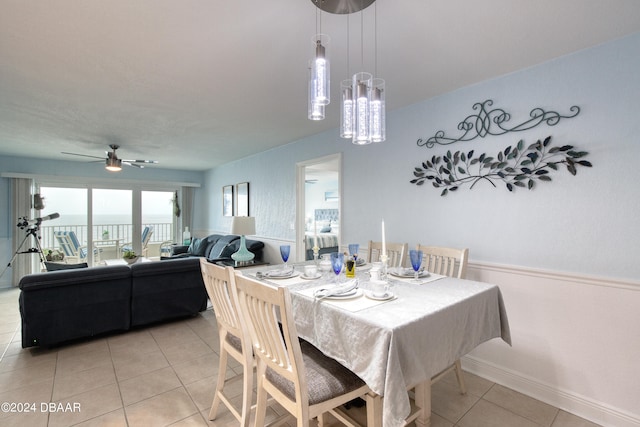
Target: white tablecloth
397, 344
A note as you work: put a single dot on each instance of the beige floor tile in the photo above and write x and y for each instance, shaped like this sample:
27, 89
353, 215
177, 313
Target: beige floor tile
202, 391
171, 334
197, 369
161, 410
25, 359
13, 326
92, 404
475, 385
447, 402
137, 364
33, 394
148, 385
181, 353
487, 414
532, 409
31, 419
34, 374
83, 360
7, 337
565, 419
111, 419
70, 384
196, 420
81, 347
139, 341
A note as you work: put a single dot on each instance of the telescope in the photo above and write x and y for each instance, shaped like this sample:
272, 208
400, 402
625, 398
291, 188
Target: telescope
24, 222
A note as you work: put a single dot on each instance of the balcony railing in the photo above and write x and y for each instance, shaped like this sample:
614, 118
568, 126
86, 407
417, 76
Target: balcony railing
162, 232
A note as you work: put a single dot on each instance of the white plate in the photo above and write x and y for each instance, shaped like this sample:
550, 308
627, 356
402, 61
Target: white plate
387, 296
278, 275
407, 274
317, 276
353, 294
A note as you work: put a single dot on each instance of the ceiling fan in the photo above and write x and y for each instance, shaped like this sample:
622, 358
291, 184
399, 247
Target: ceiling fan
113, 163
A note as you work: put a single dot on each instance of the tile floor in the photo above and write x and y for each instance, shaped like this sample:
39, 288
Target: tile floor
164, 375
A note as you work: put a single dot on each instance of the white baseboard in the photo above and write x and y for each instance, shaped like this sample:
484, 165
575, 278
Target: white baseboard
591, 410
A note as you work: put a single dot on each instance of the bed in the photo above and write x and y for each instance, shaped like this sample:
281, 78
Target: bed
326, 223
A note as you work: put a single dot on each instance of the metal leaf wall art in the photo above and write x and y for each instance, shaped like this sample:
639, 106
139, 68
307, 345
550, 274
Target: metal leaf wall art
495, 122
515, 166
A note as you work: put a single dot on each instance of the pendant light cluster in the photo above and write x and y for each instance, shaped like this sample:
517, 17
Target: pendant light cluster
362, 108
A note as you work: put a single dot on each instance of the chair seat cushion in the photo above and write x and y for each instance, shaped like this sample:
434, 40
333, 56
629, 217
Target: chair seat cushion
234, 341
326, 378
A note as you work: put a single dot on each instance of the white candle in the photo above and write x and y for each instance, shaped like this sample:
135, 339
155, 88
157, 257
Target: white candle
315, 234
384, 244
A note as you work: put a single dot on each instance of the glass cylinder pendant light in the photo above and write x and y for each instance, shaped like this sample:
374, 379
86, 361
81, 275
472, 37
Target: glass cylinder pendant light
346, 109
316, 110
377, 112
319, 81
362, 97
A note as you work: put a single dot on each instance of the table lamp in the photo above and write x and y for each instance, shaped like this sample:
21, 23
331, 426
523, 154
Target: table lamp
243, 225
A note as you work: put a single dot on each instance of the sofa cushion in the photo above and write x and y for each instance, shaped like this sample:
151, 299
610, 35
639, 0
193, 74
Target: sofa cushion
55, 266
198, 246
221, 246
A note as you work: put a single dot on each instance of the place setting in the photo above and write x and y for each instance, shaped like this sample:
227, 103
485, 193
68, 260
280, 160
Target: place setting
415, 274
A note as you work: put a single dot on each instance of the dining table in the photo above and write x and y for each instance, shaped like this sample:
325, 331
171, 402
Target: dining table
397, 341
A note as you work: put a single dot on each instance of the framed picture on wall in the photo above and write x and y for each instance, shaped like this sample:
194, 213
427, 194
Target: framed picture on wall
242, 199
227, 200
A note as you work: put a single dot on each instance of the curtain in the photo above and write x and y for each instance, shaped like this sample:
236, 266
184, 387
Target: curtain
187, 210
26, 263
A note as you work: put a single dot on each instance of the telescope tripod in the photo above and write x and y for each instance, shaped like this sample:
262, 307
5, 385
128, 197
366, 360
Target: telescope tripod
31, 231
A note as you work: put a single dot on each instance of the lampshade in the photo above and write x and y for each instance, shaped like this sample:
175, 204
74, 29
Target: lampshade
320, 72
243, 225
346, 109
377, 112
362, 94
113, 164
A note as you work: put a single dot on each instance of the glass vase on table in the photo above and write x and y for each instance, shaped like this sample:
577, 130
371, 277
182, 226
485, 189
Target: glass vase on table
337, 261
416, 261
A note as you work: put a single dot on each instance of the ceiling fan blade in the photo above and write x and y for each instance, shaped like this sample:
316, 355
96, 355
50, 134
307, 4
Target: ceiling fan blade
82, 155
128, 163
141, 161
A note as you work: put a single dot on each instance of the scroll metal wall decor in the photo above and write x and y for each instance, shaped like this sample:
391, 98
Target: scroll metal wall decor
515, 166
495, 122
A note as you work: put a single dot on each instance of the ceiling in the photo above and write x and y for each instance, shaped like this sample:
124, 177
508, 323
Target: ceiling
198, 83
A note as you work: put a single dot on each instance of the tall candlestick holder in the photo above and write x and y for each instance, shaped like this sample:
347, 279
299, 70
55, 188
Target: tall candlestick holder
384, 259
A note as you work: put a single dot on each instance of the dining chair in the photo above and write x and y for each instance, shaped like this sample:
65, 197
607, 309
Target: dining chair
449, 262
234, 339
396, 252
297, 375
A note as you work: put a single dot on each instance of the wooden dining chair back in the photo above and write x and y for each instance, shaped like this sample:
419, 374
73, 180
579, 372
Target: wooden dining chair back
396, 252
297, 375
449, 262
234, 338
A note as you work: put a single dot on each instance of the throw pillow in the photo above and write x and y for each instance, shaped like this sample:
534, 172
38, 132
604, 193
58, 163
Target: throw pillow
198, 246
326, 230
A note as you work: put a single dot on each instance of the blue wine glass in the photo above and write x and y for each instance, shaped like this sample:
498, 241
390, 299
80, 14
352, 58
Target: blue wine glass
353, 250
416, 261
337, 260
284, 253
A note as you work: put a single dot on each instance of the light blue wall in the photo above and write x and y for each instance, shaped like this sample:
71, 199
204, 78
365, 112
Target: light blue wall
586, 223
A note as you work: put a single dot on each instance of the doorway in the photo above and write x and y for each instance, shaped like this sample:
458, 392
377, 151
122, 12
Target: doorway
319, 204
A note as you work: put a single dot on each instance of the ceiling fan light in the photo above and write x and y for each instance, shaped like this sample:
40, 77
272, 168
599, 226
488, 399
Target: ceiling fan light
113, 164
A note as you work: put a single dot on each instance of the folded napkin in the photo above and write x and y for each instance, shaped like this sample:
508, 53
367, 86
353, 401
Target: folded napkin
279, 273
336, 290
406, 272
